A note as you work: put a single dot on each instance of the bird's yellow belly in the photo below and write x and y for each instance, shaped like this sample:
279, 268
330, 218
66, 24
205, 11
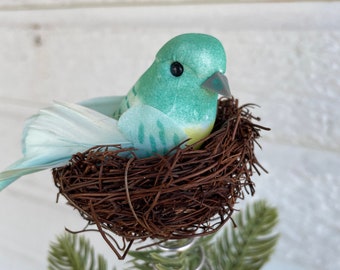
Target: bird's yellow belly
196, 133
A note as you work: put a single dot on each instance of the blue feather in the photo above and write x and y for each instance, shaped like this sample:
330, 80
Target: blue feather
107, 105
150, 130
51, 137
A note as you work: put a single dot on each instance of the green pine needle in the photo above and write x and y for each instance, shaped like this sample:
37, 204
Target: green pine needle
246, 247
74, 253
250, 245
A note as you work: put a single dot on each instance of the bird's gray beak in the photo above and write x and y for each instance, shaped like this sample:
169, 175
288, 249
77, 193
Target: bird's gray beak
217, 83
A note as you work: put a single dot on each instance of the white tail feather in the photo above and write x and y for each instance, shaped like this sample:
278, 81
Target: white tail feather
52, 136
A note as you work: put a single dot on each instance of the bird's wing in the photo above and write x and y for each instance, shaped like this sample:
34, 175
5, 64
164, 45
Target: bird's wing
106, 105
151, 130
51, 137
69, 127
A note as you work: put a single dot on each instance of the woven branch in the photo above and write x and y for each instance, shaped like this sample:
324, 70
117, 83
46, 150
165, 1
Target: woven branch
183, 194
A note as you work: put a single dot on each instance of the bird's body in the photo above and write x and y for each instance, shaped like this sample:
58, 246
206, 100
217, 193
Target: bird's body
173, 101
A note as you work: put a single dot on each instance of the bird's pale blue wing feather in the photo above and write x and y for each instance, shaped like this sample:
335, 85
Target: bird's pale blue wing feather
26, 166
152, 131
105, 105
52, 136
67, 127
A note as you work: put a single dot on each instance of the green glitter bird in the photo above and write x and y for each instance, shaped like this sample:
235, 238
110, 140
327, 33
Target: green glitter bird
173, 101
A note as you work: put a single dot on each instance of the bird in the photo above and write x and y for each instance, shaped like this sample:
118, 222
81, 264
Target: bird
174, 100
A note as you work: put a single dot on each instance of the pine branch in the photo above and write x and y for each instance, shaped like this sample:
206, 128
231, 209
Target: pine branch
247, 247
250, 245
74, 253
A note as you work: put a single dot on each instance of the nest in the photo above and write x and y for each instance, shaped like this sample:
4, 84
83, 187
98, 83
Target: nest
187, 193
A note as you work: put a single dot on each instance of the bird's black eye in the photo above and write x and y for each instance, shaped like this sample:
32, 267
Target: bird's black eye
176, 69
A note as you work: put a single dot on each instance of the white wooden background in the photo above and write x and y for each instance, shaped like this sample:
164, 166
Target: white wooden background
284, 57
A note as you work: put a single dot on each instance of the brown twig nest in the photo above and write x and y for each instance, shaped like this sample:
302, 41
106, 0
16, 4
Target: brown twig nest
183, 194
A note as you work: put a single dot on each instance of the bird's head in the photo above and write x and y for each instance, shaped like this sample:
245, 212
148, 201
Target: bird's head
186, 76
